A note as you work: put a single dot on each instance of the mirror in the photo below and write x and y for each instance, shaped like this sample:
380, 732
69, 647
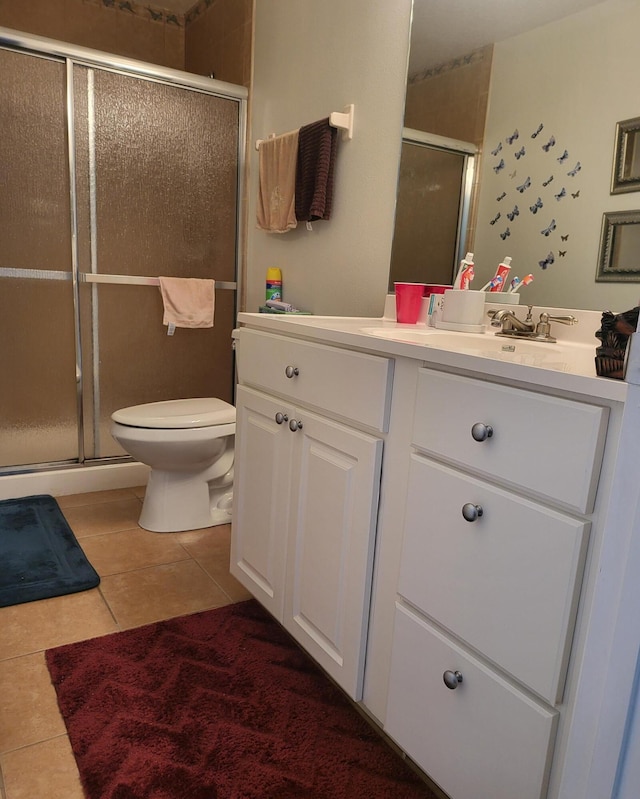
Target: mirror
619, 247
539, 88
626, 167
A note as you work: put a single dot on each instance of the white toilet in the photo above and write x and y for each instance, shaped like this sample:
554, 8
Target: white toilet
189, 445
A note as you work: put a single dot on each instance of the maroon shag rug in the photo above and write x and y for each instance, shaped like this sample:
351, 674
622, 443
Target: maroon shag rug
217, 705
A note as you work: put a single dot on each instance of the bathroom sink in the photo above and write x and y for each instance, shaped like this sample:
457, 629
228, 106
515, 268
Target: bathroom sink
561, 357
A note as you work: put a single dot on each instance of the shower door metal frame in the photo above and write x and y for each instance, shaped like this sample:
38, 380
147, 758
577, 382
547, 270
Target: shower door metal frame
73, 56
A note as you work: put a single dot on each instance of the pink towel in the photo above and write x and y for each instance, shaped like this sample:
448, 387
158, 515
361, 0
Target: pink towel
188, 302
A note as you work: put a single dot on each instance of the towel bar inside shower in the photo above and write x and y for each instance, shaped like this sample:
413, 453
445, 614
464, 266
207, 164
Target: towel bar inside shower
140, 280
93, 277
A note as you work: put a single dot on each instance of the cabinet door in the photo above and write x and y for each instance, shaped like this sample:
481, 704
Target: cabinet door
483, 740
336, 475
262, 494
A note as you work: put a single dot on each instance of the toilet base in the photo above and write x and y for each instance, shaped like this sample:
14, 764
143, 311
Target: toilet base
174, 503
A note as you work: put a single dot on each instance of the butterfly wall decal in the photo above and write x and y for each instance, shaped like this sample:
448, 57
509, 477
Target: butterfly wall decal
549, 229
547, 261
538, 204
551, 143
573, 172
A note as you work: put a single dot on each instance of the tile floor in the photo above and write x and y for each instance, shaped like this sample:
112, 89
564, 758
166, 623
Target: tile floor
145, 577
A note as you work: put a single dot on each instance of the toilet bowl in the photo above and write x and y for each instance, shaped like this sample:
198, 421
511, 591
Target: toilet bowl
189, 445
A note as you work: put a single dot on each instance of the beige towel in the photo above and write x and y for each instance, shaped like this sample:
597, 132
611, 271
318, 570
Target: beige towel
276, 210
188, 302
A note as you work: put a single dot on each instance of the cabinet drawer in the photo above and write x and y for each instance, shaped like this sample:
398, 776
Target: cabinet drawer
547, 446
352, 385
507, 583
483, 740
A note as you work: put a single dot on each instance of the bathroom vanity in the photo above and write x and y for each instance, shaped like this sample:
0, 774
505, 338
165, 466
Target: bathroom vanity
435, 517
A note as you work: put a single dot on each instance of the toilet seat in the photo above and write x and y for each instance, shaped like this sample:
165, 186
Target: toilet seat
177, 414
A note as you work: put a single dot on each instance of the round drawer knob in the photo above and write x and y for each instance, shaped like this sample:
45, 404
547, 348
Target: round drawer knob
452, 679
294, 425
281, 417
292, 371
481, 431
471, 512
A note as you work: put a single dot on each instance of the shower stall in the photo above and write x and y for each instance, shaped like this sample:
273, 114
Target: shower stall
112, 173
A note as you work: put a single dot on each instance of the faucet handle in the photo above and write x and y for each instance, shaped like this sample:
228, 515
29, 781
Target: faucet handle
543, 328
565, 320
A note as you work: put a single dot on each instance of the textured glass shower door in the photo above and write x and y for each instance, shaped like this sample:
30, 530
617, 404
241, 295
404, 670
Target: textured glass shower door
434, 194
107, 171
157, 177
38, 400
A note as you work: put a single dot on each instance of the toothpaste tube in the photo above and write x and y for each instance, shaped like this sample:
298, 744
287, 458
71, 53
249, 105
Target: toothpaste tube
503, 272
279, 306
465, 263
466, 277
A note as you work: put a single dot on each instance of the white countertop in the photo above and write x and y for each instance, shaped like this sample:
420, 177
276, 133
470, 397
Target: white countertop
568, 365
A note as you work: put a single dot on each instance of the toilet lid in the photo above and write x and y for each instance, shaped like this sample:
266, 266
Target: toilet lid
174, 414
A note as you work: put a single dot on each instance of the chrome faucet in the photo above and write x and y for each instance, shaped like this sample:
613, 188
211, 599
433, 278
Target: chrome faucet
509, 322
513, 327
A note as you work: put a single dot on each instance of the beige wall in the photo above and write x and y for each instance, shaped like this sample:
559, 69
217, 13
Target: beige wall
579, 90
211, 37
93, 24
218, 40
451, 99
312, 58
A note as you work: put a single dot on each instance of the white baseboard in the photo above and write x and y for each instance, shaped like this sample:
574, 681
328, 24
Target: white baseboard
74, 481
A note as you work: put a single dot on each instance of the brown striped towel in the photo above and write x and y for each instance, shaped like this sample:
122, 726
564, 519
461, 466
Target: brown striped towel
317, 147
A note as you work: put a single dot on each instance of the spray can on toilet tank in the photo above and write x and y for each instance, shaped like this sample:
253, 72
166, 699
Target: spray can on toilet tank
274, 284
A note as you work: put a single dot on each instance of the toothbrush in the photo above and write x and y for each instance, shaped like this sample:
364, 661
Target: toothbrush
524, 282
514, 285
495, 281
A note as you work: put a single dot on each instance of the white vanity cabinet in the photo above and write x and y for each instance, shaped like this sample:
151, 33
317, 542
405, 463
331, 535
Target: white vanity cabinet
501, 484
309, 427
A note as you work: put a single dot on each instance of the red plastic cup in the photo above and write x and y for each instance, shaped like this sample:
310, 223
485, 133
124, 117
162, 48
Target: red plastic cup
435, 288
408, 302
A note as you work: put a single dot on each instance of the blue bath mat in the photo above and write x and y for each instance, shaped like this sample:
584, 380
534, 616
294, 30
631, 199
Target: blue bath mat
39, 554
